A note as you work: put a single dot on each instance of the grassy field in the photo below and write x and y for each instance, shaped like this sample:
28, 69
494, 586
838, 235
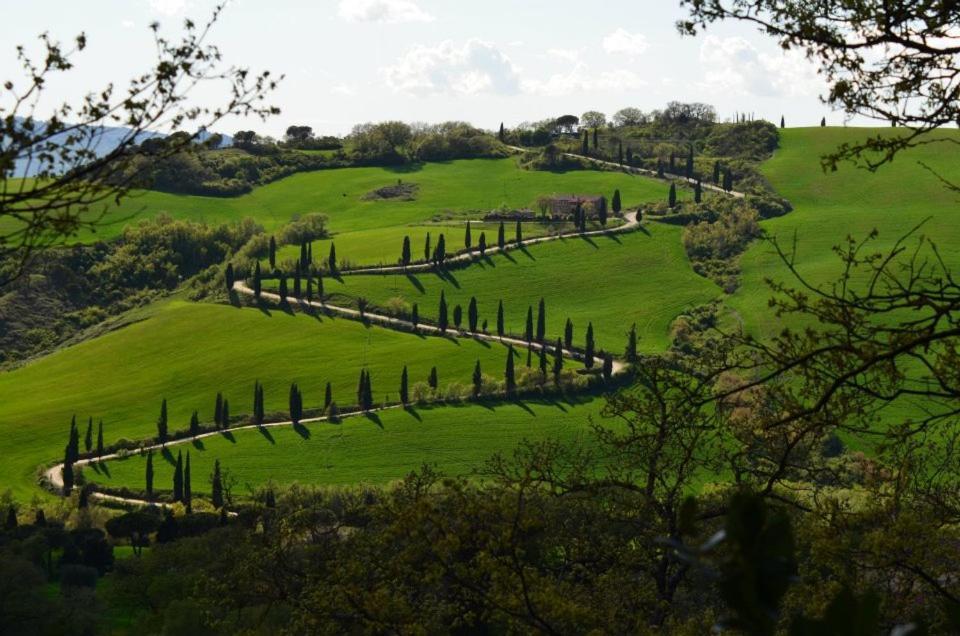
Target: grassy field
830, 206
372, 449
460, 188
187, 352
613, 281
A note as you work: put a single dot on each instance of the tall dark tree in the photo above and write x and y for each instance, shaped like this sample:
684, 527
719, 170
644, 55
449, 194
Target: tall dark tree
557, 360
528, 328
66, 475
327, 396
194, 424
783, 123
218, 410
482, 243
405, 252
178, 478
688, 171
585, 143
477, 380
282, 289
415, 315
615, 203
602, 211
541, 321
543, 360
309, 294
426, 248
607, 367
673, 163
309, 264
187, 486
509, 376
73, 441
228, 277
361, 389
368, 393
473, 315
303, 256
823, 122
320, 286
149, 476
333, 413
295, 403
440, 251
442, 320
332, 259
432, 380
273, 253
672, 196
519, 233
100, 439
589, 348
404, 386
697, 192
88, 436
162, 422
620, 153
500, 134
258, 410
568, 334
501, 237
468, 238
457, 316
216, 486
716, 173
631, 352
500, 318
660, 172
257, 281
296, 281
727, 180
596, 139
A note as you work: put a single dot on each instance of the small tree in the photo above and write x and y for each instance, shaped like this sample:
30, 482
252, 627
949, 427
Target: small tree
73, 443
228, 277
273, 253
596, 139
823, 122
727, 180
88, 436
149, 475
295, 404
457, 316
327, 396
543, 361
500, 318
296, 281
467, 239
585, 143
716, 173
557, 361
601, 212
473, 315
783, 123
257, 282
477, 379
500, 134
332, 260
194, 424
615, 203
631, 352
216, 486
442, 320
404, 387
509, 378
501, 237
620, 153
405, 252
607, 367
568, 334
100, 439
320, 286
588, 352
482, 243
162, 422
282, 290
426, 248
178, 478
415, 315
528, 329
672, 197
432, 379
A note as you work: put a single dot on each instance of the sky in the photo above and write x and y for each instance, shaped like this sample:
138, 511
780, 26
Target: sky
351, 61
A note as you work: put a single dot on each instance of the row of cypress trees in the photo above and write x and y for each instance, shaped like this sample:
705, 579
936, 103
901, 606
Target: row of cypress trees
182, 482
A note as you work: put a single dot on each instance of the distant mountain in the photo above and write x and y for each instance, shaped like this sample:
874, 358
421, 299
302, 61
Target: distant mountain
109, 138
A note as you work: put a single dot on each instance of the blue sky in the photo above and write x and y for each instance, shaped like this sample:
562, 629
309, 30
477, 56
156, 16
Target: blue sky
350, 61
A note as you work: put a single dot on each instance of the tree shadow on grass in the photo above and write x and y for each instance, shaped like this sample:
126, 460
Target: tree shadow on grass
613, 237
373, 417
198, 444
264, 308
526, 252
507, 255
266, 434
524, 406
227, 435
643, 229
415, 282
448, 276
410, 409
168, 456
302, 430
588, 240
101, 468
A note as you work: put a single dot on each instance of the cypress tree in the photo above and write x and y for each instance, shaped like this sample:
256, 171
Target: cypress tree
309, 262
660, 168
783, 123
327, 396
457, 316
66, 474
467, 238
218, 410
178, 478
303, 255
482, 243
568, 334
296, 280
602, 211
88, 437
73, 442
472, 314
697, 192
596, 140
194, 424
415, 315
500, 319
615, 203
162, 422
541, 320
257, 284
585, 143
607, 367
673, 163
510, 380
320, 286
368, 393
631, 353
273, 253
149, 476
432, 378
187, 486
519, 233
426, 248
477, 380
226, 413
529, 354
589, 348
543, 360
282, 289
405, 252
823, 122
361, 388
528, 329
620, 153
295, 404
727, 180
260, 405
216, 486
672, 196
689, 167
442, 313
557, 361
333, 414
501, 237
441, 251
716, 173
256, 402
228, 277
629, 156
309, 288
500, 135
332, 259
404, 387
100, 439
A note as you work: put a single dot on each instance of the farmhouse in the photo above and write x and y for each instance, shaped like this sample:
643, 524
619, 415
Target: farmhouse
564, 206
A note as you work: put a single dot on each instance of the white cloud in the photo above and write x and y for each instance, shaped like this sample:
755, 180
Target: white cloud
344, 89
622, 42
168, 7
389, 11
127, 24
734, 65
581, 79
476, 67
569, 55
